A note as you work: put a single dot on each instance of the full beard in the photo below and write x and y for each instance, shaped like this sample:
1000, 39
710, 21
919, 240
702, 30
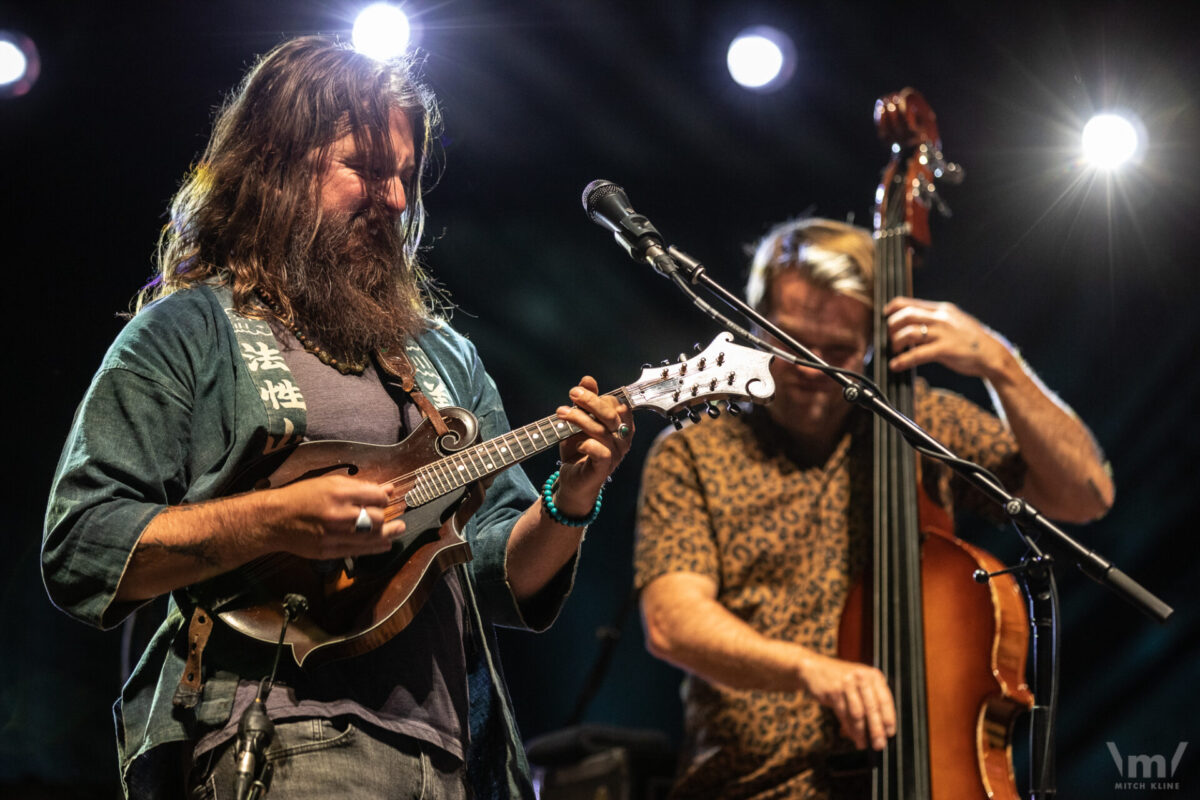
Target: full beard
352, 287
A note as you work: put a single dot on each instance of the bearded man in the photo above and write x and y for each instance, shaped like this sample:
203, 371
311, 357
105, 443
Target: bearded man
290, 306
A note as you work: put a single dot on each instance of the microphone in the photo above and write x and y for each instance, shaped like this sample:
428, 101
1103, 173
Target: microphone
608, 206
255, 730
254, 736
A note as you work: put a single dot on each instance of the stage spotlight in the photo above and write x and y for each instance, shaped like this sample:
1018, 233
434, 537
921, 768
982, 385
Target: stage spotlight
1111, 140
761, 58
19, 64
381, 31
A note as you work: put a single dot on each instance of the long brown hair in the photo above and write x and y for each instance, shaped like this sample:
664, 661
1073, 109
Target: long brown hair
234, 213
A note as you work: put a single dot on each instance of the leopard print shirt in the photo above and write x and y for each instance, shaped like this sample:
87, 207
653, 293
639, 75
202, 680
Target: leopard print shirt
723, 499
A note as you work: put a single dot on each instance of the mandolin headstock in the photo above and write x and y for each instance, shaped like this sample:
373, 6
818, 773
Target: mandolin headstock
723, 371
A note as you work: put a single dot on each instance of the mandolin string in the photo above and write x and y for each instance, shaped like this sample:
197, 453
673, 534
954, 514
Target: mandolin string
474, 453
271, 564
265, 566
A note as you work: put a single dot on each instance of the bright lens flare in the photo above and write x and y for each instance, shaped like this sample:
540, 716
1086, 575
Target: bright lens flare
1110, 140
761, 59
754, 61
381, 31
12, 63
19, 64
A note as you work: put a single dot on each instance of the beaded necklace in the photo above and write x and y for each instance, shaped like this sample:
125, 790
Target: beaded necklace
344, 367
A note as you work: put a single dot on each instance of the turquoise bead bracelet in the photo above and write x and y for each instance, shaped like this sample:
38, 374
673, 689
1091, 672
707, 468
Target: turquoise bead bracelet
561, 518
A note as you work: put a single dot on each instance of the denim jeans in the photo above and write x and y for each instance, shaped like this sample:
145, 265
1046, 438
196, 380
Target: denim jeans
316, 758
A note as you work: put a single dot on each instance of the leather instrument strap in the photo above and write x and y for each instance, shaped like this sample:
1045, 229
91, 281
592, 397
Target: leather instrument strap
191, 684
398, 366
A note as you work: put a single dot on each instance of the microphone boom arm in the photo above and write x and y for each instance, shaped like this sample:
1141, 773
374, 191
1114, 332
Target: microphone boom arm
607, 205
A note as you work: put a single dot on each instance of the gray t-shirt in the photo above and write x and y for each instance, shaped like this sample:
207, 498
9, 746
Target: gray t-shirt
414, 685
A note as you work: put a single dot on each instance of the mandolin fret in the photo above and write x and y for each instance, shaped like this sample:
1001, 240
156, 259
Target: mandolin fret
712, 374
455, 471
434, 471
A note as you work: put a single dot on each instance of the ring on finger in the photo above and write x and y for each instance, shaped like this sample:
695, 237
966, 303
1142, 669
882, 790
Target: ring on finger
924, 331
363, 523
622, 431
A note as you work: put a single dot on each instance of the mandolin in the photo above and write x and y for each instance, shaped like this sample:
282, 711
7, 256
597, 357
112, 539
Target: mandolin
355, 605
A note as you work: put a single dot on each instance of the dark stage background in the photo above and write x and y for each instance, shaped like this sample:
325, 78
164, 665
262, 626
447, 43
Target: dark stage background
1096, 282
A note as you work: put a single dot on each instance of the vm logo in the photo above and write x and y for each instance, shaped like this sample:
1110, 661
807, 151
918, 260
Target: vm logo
1142, 766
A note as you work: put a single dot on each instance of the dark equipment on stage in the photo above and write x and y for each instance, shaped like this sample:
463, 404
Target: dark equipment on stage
587, 762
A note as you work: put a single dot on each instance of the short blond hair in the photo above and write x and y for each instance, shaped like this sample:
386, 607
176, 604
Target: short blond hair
832, 255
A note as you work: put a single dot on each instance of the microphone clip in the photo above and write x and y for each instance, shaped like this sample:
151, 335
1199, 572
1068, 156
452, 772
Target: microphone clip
253, 771
607, 205
255, 731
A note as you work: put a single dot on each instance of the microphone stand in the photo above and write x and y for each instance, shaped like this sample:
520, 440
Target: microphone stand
1036, 570
255, 731
610, 637
1041, 595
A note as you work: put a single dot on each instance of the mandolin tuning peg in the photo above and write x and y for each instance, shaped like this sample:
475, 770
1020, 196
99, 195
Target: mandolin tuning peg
677, 421
696, 347
733, 408
712, 410
693, 414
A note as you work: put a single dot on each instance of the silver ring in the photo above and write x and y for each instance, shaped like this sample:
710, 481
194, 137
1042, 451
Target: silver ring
924, 331
363, 523
622, 431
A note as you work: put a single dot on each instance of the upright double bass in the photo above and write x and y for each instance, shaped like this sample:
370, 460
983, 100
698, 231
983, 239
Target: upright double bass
953, 650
